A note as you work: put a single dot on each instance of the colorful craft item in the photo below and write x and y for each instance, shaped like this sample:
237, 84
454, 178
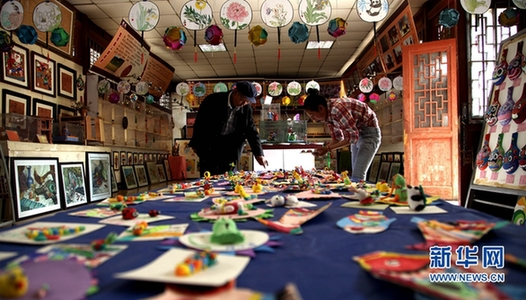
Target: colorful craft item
276, 200
516, 64
59, 37
174, 38
278, 226
223, 206
374, 98
5, 42
51, 233
195, 263
79, 83
365, 222
153, 213
400, 188
13, 283
214, 35
391, 96
490, 116
99, 245
518, 113
362, 97
510, 17
257, 35
301, 99
496, 156
519, 214
195, 195
416, 199
337, 27
448, 17
27, 34
382, 186
501, 70
180, 186
129, 213
298, 32
225, 232
257, 187
504, 114
114, 97
510, 162
139, 228
522, 158
362, 196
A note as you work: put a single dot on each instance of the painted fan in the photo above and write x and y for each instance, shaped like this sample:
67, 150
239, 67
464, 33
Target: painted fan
12, 13
144, 16
236, 15
196, 15
277, 13
314, 13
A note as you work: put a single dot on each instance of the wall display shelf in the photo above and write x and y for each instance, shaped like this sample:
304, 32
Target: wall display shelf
390, 116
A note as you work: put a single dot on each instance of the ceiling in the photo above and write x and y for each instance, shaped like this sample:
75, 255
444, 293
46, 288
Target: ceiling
253, 62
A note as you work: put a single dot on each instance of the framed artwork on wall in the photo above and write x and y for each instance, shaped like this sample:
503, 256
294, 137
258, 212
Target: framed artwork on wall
43, 71
116, 160
42, 108
124, 159
375, 167
15, 66
393, 170
99, 175
140, 171
63, 110
73, 184
161, 173
129, 179
384, 171
151, 169
135, 158
66, 82
167, 169
15, 103
36, 185
114, 186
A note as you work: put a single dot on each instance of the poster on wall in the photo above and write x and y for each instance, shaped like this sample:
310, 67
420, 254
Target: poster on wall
159, 73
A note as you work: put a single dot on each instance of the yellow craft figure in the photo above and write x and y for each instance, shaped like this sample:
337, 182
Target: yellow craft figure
257, 187
13, 283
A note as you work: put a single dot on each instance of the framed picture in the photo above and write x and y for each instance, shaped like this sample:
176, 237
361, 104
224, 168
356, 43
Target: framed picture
375, 167
130, 159
167, 169
114, 186
151, 168
15, 66
43, 71
384, 171
393, 170
37, 186
42, 108
98, 175
63, 110
116, 160
15, 103
135, 158
161, 174
66, 82
42, 138
140, 171
141, 160
124, 160
129, 179
73, 184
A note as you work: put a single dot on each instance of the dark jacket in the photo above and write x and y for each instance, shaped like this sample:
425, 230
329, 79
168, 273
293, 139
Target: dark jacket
207, 140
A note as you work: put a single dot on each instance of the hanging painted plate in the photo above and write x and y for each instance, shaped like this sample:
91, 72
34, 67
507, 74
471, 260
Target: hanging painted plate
144, 16
294, 88
475, 7
314, 13
312, 85
372, 11
366, 85
11, 15
196, 15
220, 87
201, 240
141, 88
236, 14
104, 86
520, 3
385, 84
124, 87
277, 13
398, 83
275, 88
259, 89
199, 89
182, 89
47, 16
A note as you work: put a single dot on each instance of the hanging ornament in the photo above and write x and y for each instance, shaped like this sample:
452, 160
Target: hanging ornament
214, 35
448, 17
59, 37
501, 70
475, 7
374, 98
236, 15
483, 154
5, 42
182, 89
337, 27
150, 99
372, 11
366, 85
520, 3
294, 88
516, 63
144, 16
277, 13
196, 15
510, 161
27, 35
312, 85
301, 99
80, 83
133, 97
12, 15
141, 88
220, 87
391, 96
504, 113
362, 97
398, 83
385, 84
257, 35
42, 16
285, 100
275, 88
174, 38
103, 86
298, 33
123, 87
509, 17
258, 87
114, 97
199, 89
315, 14
190, 98
490, 116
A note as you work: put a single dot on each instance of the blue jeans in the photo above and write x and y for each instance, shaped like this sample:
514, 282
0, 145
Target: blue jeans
363, 151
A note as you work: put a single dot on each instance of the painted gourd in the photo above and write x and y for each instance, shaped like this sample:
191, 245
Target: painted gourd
497, 155
501, 70
515, 65
504, 114
511, 157
522, 158
518, 114
491, 113
483, 155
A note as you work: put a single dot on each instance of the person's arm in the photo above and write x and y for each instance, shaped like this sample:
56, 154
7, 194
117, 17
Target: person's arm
253, 139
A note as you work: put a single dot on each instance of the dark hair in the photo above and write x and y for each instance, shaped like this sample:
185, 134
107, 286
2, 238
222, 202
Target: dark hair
314, 100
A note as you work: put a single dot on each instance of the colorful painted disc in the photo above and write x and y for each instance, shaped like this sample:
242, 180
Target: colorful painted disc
199, 89
312, 85
11, 15
275, 88
141, 88
372, 11
220, 87
314, 15
133, 97
385, 84
236, 14
104, 86
366, 85
294, 88
144, 16
124, 87
475, 7
259, 88
398, 83
47, 16
196, 15
182, 89
277, 13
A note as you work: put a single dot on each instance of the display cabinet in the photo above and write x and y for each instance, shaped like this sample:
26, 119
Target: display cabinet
390, 116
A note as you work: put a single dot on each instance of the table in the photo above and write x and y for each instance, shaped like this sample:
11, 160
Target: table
319, 261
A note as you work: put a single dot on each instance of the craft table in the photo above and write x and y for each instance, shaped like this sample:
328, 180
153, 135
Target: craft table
319, 261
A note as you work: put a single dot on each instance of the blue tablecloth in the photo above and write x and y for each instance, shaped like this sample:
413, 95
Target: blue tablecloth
319, 261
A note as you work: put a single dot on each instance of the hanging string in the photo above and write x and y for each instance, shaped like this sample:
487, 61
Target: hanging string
279, 43
235, 45
195, 46
318, 39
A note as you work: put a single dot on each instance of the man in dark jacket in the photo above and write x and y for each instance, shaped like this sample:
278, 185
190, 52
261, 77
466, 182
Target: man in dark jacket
223, 123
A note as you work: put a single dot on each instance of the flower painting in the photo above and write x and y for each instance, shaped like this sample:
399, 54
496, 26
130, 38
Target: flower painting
236, 14
196, 15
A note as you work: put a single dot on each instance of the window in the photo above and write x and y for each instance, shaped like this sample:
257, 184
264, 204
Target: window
94, 52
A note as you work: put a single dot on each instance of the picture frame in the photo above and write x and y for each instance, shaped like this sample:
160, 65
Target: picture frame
63, 110
116, 160
135, 158
43, 71
114, 186
141, 160
37, 186
130, 159
66, 77
73, 184
98, 175
15, 66
42, 108
129, 178
375, 167
151, 169
140, 172
42, 138
167, 169
161, 173
393, 170
15, 103
384, 171
124, 159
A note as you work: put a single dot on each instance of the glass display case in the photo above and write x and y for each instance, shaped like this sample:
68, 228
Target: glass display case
283, 131
22, 128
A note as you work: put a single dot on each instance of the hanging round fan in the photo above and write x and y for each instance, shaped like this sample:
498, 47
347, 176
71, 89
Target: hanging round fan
259, 88
520, 3
142, 88
47, 16
475, 7
144, 16
398, 83
124, 87
199, 89
220, 87
275, 88
11, 15
312, 85
103, 86
277, 13
236, 14
294, 88
366, 85
182, 89
385, 84
372, 11
196, 15
314, 14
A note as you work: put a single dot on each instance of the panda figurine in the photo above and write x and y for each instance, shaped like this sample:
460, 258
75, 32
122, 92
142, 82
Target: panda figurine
416, 198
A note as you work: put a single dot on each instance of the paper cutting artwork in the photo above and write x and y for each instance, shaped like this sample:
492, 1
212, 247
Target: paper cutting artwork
47, 232
300, 215
83, 253
96, 213
151, 233
365, 222
118, 220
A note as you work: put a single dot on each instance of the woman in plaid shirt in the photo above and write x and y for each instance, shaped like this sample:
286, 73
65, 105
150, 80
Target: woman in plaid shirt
350, 122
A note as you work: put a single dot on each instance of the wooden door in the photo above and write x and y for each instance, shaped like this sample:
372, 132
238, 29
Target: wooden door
431, 125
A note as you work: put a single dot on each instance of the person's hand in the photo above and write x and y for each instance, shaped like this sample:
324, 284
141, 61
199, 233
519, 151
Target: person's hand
320, 151
262, 161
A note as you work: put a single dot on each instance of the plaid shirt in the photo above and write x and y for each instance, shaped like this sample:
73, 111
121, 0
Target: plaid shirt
347, 116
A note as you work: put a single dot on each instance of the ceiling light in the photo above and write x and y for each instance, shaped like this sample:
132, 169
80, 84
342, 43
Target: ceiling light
212, 48
321, 45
